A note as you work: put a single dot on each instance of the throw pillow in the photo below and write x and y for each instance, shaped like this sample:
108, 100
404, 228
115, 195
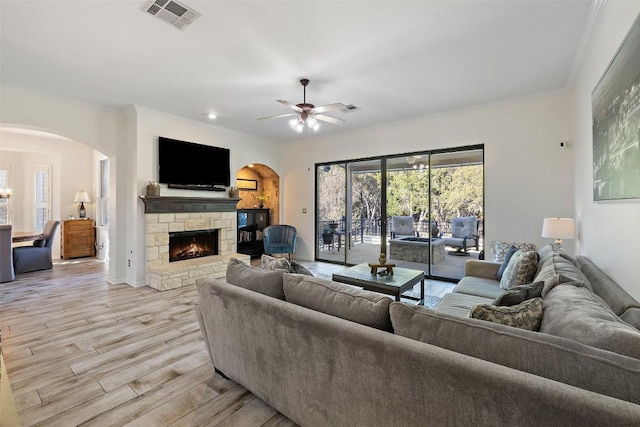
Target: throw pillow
507, 257
298, 268
40, 243
526, 315
520, 293
272, 263
266, 282
499, 249
521, 269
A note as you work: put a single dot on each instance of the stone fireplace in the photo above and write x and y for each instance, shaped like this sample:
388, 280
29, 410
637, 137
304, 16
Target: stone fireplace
205, 230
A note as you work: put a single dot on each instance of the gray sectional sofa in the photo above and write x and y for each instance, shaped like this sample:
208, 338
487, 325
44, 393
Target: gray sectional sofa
328, 354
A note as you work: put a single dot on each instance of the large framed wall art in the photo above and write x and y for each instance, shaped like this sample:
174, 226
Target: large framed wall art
615, 105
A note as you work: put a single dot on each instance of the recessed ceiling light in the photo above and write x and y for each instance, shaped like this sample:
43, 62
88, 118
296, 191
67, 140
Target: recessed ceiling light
212, 116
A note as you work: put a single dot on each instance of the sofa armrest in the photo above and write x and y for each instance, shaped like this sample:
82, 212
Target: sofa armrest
478, 268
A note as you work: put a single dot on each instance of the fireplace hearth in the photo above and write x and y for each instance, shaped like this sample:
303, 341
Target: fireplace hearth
192, 244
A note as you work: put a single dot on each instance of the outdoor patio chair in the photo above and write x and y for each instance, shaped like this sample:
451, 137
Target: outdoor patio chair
402, 226
464, 234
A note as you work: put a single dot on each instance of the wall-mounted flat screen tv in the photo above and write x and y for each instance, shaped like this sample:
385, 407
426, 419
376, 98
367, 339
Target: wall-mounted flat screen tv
190, 164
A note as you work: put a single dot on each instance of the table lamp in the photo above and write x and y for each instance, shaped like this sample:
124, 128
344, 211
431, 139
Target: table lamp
82, 197
559, 228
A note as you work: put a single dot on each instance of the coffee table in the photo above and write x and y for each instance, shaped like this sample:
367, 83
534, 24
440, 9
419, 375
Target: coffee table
402, 280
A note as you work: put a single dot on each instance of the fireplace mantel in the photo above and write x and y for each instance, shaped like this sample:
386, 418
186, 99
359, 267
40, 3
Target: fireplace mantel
169, 204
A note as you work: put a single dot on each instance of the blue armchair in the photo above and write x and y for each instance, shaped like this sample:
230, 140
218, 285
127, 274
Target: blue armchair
280, 239
38, 256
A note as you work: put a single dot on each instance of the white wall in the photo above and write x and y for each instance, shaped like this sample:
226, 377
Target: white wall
95, 126
609, 231
527, 175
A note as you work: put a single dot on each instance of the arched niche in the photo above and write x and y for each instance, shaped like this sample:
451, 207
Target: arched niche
268, 184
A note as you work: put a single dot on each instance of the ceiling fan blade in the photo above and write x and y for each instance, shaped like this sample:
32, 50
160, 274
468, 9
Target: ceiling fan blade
329, 107
328, 119
294, 107
278, 116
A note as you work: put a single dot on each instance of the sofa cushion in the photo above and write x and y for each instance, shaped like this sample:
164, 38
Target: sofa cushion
268, 282
555, 269
616, 297
338, 299
521, 269
478, 286
507, 257
526, 315
632, 317
520, 293
499, 249
573, 312
533, 352
460, 304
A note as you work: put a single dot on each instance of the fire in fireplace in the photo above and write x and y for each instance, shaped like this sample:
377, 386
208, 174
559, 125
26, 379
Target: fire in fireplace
192, 244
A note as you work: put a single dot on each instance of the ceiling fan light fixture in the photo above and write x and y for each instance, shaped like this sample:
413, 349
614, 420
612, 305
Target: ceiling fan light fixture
299, 127
316, 127
311, 122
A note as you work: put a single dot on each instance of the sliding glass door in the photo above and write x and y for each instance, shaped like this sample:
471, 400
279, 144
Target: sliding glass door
425, 210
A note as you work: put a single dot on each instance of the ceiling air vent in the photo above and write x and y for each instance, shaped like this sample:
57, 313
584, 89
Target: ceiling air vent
349, 108
173, 12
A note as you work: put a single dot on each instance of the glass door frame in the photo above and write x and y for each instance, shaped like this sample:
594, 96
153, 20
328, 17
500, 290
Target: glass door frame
384, 226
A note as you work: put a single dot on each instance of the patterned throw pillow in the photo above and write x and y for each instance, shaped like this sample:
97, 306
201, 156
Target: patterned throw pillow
272, 263
521, 269
526, 315
499, 249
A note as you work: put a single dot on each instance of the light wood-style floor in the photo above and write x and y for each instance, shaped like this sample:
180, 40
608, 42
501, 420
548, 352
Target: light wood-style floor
81, 351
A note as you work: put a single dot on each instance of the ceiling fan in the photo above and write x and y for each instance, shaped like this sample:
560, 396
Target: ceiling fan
307, 113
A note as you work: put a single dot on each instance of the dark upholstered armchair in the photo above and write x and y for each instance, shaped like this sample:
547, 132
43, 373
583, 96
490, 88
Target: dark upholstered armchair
6, 256
464, 234
280, 239
38, 256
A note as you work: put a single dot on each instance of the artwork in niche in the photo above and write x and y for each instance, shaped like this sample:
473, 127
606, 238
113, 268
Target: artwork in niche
247, 184
615, 105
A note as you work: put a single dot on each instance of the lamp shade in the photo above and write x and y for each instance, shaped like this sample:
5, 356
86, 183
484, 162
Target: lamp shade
559, 228
82, 197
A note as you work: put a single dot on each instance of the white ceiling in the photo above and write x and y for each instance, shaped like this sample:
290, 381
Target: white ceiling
391, 59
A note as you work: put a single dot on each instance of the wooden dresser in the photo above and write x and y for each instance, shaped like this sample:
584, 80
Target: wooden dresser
78, 238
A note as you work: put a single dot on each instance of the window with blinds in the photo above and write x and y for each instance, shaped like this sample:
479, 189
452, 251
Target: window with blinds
41, 198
